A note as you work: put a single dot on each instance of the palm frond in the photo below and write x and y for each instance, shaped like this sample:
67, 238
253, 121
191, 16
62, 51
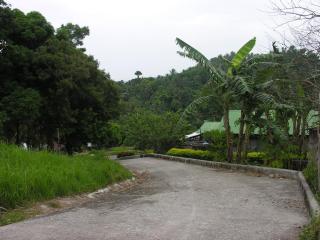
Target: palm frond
265, 98
240, 85
240, 56
192, 53
265, 85
194, 105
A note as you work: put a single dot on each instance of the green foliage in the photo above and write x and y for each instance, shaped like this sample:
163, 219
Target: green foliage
145, 130
241, 55
277, 164
217, 141
49, 84
311, 175
73, 33
16, 215
256, 158
191, 153
125, 154
119, 149
32, 176
312, 230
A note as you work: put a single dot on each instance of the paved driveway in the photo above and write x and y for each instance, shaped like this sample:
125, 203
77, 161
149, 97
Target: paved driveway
179, 202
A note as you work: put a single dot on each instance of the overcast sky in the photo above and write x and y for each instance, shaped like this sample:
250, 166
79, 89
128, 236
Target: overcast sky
130, 35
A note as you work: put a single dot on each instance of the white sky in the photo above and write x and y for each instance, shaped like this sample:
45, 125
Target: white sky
130, 35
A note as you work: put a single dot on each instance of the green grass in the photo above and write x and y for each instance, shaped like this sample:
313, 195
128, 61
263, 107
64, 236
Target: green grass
312, 230
117, 150
16, 215
28, 176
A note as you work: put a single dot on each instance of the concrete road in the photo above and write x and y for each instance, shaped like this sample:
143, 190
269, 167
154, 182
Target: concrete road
179, 202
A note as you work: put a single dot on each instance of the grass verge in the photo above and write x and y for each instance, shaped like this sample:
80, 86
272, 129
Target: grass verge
29, 176
312, 230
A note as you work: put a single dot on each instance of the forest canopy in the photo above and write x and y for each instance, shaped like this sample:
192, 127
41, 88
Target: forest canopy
50, 89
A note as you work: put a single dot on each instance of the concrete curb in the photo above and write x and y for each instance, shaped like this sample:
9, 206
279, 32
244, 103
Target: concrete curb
310, 200
275, 172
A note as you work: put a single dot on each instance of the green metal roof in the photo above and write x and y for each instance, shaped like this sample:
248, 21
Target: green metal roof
234, 116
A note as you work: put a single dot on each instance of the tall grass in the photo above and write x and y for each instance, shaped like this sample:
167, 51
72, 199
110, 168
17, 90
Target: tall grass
30, 176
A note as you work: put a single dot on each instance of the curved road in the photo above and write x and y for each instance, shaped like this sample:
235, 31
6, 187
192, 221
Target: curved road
179, 201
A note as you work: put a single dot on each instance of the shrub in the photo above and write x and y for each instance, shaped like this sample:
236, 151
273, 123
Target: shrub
217, 141
256, 158
125, 154
191, 153
311, 175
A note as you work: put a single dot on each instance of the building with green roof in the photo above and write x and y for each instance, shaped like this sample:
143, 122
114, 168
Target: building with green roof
234, 117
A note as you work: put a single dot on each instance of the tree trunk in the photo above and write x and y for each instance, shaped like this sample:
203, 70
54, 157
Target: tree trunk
318, 156
294, 125
269, 132
303, 133
246, 142
318, 150
17, 133
228, 133
240, 138
298, 129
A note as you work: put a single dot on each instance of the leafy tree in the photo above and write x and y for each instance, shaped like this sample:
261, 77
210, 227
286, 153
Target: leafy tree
21, 108
138, 74
227, 84
49, 84
73, 33
146, 130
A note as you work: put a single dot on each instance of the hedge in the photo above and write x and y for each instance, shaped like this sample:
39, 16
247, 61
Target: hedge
191, 153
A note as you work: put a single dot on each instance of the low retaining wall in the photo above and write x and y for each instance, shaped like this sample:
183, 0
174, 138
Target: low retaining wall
311, 202
275, 172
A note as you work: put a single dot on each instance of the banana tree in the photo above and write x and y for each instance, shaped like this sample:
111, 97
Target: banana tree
226, 83
258, 73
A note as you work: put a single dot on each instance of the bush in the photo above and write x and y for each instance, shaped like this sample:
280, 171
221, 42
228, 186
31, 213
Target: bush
32, 176
311, 175
256, 158
125, 154
191, 153
217, 141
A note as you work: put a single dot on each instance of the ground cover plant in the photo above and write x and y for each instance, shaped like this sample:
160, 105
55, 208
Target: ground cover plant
27, 176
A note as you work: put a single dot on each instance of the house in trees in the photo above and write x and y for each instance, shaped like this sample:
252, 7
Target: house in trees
195, 139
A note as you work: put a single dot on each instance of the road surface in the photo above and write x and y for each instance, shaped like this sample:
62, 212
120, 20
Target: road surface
179, 201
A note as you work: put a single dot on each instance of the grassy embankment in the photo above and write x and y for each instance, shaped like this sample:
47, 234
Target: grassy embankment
29, 176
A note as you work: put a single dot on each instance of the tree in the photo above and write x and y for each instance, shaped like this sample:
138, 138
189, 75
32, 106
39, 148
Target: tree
146, 130
225, 83
73, 33
21, 108
138, 74
302, 17
49, 83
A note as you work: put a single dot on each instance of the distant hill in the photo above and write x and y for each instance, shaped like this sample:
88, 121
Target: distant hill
172, 92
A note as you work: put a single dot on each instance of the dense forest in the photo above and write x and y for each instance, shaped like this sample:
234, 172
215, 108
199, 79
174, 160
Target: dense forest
51, 91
